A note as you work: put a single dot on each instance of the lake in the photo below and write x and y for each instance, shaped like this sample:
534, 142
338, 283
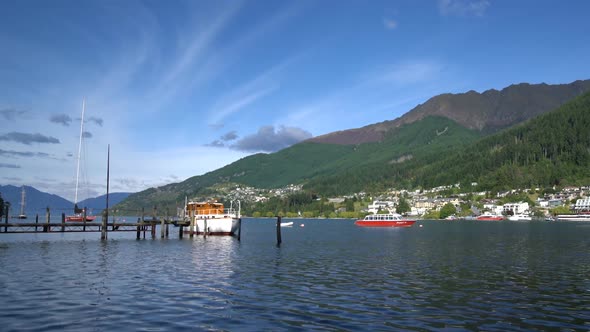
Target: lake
328, 275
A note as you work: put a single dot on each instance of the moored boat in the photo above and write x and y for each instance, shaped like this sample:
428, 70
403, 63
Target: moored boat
490, 217
287, 224
520, 217
574, 217
212, 218
79, 215
384, 220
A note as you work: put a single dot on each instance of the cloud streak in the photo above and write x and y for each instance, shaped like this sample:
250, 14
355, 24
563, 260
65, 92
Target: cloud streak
11, 153
62, 119
3, 165
96, 120
463, 7
267, 139
11, 114
28, 139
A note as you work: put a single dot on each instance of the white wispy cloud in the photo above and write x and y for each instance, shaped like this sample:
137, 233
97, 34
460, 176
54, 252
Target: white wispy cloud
463, 7
404, 73
390, 23
248, 93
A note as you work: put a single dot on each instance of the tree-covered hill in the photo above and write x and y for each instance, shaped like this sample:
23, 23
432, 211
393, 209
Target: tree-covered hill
431, 150
552, 149
307, 162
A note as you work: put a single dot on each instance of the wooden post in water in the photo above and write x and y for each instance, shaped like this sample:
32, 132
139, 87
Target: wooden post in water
105, 217
47, 228
239, 229
206, 229
6, 217
180, 231
162, 228
191, 230
63, 222
279, 240
138, 229
36, 221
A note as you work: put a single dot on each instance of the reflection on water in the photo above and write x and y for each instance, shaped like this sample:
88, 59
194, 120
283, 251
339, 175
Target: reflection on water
328, 275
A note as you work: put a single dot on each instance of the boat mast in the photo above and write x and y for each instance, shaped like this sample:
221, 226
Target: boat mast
22, 202
79, 149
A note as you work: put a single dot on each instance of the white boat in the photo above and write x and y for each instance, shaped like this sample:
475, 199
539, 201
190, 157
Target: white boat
574, 217
287, 224
520, 217
212, 218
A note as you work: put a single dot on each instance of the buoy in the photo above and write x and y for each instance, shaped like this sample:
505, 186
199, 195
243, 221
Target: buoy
421, 225
302, 225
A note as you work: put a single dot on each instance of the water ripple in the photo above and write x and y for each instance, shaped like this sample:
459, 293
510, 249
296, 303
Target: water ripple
329, 275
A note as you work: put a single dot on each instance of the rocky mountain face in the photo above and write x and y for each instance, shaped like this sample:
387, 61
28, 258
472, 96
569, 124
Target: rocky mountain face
487, 112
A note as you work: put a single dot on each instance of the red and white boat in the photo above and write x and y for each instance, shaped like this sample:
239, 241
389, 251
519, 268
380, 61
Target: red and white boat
490, 217
79, 217
384, 220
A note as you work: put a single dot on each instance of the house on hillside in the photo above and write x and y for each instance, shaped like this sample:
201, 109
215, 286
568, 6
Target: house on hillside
515, 208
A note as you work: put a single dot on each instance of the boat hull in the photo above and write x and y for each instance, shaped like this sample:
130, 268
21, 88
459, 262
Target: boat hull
214, 226
385, 223
490, 218
79, 218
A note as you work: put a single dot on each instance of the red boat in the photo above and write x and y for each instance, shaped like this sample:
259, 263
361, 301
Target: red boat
79, 218
384, 220
490, 217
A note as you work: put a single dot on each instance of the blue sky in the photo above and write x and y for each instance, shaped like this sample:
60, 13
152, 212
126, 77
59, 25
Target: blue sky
180, 88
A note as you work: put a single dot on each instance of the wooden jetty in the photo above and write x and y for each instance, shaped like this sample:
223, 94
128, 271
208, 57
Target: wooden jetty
142, 226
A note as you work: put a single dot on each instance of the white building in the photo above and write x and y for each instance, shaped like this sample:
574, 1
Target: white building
515, 208
381, 205
582, 204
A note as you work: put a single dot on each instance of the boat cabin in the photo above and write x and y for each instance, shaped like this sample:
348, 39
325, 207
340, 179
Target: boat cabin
204, 208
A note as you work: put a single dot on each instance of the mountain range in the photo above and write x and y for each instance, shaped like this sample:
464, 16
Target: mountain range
37, 201
386, 154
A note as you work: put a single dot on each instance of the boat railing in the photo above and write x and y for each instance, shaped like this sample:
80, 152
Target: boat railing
215, 212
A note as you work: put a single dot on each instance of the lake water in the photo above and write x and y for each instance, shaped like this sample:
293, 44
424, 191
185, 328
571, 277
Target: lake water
328, 275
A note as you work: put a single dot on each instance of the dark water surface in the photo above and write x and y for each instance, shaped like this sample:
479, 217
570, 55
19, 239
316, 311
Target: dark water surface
328, 275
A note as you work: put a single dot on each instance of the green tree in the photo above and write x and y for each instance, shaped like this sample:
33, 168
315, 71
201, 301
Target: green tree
447, 210
402, 206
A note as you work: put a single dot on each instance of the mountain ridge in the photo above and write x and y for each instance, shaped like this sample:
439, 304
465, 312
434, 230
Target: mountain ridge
498, 109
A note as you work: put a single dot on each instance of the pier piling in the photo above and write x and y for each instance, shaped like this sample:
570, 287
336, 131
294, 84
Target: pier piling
63, 222
47, 228
239, 229
279, 240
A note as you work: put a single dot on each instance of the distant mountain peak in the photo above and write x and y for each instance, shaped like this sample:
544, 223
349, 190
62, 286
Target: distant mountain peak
489, 111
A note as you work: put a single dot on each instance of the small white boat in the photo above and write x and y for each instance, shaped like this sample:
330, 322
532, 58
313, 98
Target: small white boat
520, 217
287, 224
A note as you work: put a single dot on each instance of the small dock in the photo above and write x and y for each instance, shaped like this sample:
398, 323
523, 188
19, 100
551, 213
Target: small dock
142, 227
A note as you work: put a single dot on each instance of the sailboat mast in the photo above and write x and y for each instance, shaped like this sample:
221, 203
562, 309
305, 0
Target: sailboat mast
80, 149
22, 202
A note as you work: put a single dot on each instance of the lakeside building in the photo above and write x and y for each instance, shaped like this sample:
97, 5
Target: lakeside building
515, 208
582, 205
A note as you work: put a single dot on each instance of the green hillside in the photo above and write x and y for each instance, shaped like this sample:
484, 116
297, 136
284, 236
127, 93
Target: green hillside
551, 149
308, 162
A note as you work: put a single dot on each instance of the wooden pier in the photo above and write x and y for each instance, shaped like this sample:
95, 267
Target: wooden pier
142, 226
